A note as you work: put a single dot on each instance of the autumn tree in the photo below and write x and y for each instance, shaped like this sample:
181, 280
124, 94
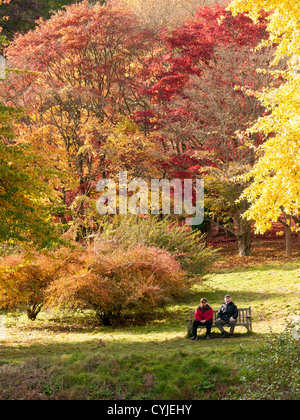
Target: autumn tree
276, 187
25, 198
84, 65
205, 102
221, 105
23, 281
25, 277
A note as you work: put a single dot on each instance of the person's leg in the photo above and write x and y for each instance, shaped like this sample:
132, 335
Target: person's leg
195, 326
232, 326
208, 325
219, 324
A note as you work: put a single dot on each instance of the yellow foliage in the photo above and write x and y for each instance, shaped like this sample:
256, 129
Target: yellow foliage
276, 186
127, 148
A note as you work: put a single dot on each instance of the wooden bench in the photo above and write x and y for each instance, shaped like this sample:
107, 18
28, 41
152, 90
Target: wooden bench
244, 319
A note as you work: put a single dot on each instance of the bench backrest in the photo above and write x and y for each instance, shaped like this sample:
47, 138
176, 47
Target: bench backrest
244, 313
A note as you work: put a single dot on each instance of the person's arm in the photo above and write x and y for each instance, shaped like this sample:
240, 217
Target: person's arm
235, 313
209, 315
219, 314
197, 315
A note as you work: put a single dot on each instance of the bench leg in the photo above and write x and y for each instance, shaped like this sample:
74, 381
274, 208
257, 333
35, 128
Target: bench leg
189, 328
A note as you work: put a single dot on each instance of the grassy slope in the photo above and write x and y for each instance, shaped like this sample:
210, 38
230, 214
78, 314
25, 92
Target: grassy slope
73, 359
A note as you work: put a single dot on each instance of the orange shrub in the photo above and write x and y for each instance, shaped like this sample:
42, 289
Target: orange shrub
25, 278
138, 279
23, 281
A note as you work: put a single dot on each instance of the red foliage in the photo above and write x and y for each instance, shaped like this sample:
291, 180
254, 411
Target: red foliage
190, 51
195, 42
87, 47
215, 26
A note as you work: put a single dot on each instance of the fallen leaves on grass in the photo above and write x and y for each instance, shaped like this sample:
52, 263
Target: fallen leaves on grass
264, 251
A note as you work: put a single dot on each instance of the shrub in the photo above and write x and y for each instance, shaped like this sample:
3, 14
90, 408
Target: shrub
274, 369
186, 246
24, 280
136, 280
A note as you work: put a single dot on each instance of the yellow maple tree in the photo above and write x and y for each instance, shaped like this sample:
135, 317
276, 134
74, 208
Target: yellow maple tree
276, 175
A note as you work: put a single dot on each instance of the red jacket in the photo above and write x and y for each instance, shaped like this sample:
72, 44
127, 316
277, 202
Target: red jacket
205, 313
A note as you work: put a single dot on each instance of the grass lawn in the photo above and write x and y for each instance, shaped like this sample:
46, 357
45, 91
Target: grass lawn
73, 358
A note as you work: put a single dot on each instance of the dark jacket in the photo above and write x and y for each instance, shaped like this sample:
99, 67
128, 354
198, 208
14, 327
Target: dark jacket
205, 313
228, 311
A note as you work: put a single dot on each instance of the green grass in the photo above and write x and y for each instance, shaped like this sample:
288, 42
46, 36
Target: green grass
76, 359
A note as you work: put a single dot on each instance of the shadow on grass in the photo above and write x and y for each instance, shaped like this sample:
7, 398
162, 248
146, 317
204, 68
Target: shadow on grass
216, 297
172, 368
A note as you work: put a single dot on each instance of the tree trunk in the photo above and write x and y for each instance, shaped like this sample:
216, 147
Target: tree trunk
287, 223
244, 242
104, 318
288, 241
33, 311
243, 235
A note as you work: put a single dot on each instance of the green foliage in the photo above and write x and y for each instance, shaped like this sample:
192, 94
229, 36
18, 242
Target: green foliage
25, 198
274, 369
188, 247
22, 14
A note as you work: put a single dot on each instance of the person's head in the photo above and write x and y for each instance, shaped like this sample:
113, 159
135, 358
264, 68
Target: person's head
203, 302
227, 299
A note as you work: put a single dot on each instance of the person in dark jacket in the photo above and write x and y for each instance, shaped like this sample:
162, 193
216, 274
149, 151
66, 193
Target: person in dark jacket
203, 316
227, 314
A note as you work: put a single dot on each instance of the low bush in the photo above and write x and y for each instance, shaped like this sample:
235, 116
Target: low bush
23, 281
272, 371
186, 246
24, 278
137, 280
134, 266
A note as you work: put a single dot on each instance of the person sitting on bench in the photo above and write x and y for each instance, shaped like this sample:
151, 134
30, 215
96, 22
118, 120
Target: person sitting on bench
203, 316
227, 314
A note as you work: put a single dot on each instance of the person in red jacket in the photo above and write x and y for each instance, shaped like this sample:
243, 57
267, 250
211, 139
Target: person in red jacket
203, 316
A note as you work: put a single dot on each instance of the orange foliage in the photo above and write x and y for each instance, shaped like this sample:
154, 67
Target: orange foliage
138, 279
23, 281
